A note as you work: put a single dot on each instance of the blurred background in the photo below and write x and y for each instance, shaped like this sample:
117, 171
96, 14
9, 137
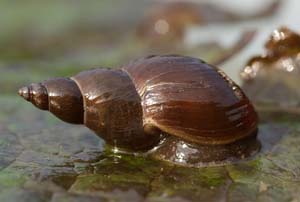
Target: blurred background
43, 39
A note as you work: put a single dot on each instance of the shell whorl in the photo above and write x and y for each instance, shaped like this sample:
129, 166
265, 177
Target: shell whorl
37, 94
187, 98
113, 109
60, 96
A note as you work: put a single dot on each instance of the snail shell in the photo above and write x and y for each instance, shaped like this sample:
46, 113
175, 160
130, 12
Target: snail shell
132, 106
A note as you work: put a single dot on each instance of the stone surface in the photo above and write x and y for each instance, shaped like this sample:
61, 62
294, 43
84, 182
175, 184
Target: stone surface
43, 159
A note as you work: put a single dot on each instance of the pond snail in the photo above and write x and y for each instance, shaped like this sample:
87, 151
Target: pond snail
186, 109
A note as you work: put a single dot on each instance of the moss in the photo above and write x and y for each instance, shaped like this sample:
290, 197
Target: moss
245, 172
212, 176
110, 182
10, 178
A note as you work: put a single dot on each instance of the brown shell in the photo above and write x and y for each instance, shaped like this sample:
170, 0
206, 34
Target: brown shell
132, 106
64, 99
60, 96
112, 108
188, 98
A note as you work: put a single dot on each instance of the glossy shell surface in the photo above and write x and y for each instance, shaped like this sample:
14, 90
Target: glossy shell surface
141, 103
190, 99
112, 108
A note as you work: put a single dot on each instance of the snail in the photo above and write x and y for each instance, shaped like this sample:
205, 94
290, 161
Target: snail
271, 80
177, 108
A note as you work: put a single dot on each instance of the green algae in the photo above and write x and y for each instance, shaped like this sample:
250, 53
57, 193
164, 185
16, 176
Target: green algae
10, 178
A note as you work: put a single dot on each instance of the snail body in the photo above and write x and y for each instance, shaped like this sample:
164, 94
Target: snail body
154, 100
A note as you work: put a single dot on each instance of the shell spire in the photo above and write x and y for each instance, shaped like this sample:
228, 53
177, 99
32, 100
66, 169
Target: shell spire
37, 94
60, 96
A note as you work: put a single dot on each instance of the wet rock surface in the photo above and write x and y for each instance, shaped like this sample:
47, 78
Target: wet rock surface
43, 159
